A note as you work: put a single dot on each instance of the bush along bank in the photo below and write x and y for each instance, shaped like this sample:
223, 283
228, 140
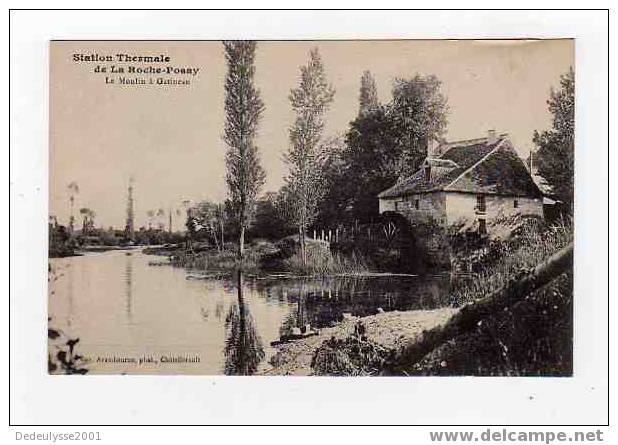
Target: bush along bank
262, 255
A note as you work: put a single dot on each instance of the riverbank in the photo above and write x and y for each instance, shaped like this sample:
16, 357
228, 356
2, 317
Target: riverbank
389, 330
67, 251
502, 329
103, 248
262, 255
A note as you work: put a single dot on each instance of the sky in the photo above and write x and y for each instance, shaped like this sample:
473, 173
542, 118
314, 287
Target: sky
169, 137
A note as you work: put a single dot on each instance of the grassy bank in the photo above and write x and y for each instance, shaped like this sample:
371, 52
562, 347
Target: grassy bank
500, 262
530, 336
225, 260
533, 337
261, 255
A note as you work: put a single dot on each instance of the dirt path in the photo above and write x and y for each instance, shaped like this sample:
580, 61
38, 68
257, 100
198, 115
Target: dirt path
390, 329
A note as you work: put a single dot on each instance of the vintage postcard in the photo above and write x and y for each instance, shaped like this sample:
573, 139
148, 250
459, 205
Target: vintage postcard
326, 208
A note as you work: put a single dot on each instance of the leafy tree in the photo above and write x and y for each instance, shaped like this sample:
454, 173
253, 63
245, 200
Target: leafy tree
150, 214
373, 158
304, 184
556, 146
189, 223
160, 219
87, 220
419, 111
385, 144
368, 95
337, 186
209, 217
243, 108
270, 222
60, 241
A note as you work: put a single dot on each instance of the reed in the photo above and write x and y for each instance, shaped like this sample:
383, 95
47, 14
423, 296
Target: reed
324, 262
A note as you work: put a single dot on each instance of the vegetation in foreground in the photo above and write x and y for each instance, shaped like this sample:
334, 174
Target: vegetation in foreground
531, 336
500, 261
62, 355
355, 355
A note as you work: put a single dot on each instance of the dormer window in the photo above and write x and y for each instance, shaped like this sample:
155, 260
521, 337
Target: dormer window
427, 173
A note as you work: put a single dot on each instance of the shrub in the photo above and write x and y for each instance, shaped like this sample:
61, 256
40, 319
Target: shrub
352, 356
501, 261
321, 261
215, 260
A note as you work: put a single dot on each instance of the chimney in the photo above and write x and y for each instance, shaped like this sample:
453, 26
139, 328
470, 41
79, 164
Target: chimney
433, 148
491, 137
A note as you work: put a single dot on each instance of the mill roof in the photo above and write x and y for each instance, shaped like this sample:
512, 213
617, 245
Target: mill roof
481, 165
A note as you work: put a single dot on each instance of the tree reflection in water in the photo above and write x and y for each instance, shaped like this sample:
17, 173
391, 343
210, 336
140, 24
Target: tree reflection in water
243, 345
298, 318
128, 281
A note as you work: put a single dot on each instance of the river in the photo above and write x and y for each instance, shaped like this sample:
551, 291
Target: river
135, 318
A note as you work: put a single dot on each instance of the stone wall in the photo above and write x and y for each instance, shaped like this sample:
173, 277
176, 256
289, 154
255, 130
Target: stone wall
461, 208
430, 214
421, 208
387, 204
427, 215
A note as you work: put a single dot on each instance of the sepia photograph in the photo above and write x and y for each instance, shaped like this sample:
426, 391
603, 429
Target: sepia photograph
311, 208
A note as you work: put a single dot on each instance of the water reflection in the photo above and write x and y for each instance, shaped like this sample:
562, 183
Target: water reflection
119, 304
243, 345
128, 287
297, 321
322, 302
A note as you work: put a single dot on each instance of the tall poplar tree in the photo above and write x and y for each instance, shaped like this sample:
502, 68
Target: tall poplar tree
73, 190
368, 94
243, 108
310, 101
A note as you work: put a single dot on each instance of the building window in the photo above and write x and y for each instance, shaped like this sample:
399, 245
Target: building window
515, 204
480, 203
416, 204
427, 173
482, 227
